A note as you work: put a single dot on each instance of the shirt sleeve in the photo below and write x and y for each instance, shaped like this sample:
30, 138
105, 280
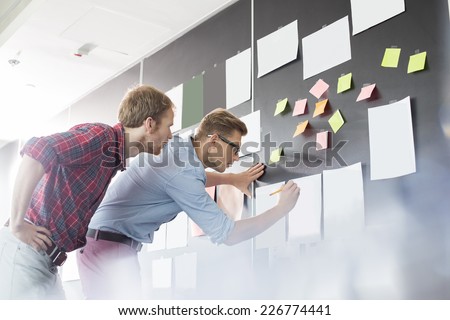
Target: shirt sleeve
188, 191
78, 146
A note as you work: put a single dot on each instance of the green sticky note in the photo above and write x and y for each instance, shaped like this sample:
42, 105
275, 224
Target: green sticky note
336, 121
417, 62
391, 57
192, 101
275, 155
281, 105
344, 83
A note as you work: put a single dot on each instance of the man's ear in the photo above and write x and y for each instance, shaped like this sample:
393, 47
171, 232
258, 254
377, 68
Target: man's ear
150, 125
212, 144
213, 138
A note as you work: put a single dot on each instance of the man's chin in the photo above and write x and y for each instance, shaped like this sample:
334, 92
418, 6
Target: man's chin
220, 169
155, 152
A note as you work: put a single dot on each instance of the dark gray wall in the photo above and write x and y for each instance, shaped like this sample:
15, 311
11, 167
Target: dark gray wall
412, 210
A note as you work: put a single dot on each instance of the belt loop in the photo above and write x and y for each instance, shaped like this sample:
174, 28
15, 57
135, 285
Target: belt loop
97, 231
136, 245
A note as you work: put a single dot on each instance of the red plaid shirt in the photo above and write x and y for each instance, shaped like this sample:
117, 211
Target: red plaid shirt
79, 165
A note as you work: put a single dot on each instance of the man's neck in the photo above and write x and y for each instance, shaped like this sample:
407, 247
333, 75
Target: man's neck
198, 147
133, 138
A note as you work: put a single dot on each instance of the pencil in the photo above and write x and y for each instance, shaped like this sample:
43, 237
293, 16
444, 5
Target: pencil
276, 191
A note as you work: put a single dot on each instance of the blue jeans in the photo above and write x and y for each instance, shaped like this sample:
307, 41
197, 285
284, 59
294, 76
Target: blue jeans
26, 273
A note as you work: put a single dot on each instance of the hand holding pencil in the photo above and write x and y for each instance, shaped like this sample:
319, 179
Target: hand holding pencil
277, 191
289, 194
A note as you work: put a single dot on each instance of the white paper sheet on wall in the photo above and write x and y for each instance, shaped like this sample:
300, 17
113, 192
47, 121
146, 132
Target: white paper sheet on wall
391, 140
177, 231
276, 234
162, 273
238, 71
343, 202
326, 48
186, 271
368, 13
159, 239
251, 142
305, 219
277, 48
176, 95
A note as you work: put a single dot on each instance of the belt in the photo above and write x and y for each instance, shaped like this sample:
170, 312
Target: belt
55, 254
114, 237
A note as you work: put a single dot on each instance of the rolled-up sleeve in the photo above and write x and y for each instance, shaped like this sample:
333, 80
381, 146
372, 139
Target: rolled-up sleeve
188, 191
77, 146
40, 150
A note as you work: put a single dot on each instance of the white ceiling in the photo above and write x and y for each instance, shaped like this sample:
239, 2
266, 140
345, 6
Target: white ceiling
111, 35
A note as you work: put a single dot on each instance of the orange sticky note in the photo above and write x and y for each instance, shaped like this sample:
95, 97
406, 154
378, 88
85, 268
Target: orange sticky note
320, 107
300, 128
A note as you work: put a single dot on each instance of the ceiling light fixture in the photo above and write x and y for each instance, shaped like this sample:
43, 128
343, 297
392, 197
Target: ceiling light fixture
15, 61
85, 49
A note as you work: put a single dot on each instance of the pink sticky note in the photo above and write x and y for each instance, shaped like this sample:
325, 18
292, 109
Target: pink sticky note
300, 106
366, 92
319, 88
322, 140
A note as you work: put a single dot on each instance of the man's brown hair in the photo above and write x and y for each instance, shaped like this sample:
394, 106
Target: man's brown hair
142, 102
222, 122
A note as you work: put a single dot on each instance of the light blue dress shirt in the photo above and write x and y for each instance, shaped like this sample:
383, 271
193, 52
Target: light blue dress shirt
154, 189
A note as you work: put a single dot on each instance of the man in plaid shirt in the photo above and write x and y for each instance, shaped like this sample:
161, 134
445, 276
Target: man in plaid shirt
61, 181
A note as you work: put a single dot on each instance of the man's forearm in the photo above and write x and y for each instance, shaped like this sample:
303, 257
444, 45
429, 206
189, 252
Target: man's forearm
251, 227
215, 178
28, 176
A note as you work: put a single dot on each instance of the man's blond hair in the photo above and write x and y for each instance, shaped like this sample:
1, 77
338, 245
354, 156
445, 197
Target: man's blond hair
222, 122
142, 102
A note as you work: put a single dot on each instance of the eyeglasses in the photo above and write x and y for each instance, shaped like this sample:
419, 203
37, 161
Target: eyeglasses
236, 148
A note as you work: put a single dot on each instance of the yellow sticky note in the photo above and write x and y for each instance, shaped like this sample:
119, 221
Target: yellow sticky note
344, 83
336, 121
320, 107
300, 128
275, 155
391, 57
417, 62
281, 105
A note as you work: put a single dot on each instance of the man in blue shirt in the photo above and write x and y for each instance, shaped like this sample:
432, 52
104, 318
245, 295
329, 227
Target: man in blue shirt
152, 191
